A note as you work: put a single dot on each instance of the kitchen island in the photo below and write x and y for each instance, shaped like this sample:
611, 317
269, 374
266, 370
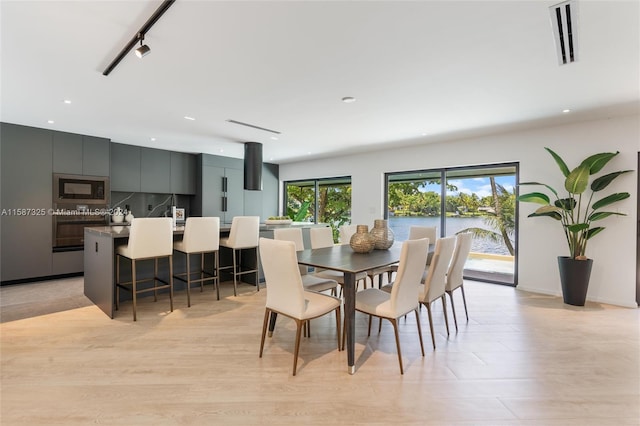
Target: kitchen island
100, 245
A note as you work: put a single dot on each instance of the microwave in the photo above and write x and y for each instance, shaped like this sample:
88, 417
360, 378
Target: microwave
80, 189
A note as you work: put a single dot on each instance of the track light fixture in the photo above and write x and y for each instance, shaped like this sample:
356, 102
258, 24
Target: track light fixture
139, 36
143, 50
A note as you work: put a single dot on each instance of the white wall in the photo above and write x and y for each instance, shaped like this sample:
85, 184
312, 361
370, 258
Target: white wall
613, 278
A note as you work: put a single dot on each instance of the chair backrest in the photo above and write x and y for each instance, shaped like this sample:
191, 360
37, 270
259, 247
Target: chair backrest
404, 293
245, 231
150, 237
436, 280
321, 237
456, 267
295, 235
417, 232
346, 231
285, 293
201, 234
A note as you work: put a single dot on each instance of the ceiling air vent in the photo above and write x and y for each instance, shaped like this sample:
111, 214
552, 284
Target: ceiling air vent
565, 30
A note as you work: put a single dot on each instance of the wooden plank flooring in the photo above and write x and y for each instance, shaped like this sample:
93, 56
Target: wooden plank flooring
522, 359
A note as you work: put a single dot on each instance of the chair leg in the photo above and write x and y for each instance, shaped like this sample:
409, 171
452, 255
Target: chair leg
171, 281
299, 325
134, 287
444, 309
464, 300
189, 281
433, 338
202, 273
235, 286
369, 330
394, 321
453, 309
338, 325
419, 331
257, 272
155, 279
267, 313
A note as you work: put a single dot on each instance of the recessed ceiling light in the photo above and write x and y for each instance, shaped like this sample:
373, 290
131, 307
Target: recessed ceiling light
274, 138
50, 121
67, 101
566, 111
186, 117
348, 99
424, 134
221, 150
153, 139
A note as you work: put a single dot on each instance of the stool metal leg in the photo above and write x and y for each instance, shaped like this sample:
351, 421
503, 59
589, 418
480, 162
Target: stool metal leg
135, 290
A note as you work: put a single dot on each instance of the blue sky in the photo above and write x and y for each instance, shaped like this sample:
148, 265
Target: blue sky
478, 185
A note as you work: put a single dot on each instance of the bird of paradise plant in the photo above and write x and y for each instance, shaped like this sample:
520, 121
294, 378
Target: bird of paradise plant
576, 209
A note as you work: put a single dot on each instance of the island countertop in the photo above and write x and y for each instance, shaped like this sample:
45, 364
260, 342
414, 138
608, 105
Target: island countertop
122, 231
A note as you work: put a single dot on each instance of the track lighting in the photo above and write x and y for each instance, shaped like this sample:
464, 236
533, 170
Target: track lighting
143, 50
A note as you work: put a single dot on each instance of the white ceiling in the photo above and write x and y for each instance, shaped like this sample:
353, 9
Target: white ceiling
421, 71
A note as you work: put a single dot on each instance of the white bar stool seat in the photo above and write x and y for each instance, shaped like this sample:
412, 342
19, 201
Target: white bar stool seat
244, 234
201, 236
149, 238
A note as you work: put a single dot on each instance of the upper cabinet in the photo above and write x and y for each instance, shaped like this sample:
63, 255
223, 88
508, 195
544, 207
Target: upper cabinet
140, 169
80, 155
125, 168
183, 173
155, 171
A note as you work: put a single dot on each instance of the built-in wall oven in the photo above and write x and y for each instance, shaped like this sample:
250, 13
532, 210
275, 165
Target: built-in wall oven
78, 202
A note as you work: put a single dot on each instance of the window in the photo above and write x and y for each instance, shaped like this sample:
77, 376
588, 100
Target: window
319, 201
479, 199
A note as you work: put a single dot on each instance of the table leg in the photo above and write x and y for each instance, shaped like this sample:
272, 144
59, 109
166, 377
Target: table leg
349, 292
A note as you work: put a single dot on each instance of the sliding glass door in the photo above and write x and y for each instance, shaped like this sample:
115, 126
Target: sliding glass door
478, 199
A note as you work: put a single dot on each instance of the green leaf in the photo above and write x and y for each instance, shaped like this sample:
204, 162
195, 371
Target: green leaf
610, 199
603, 181
594, 231
559, 161
534, 197
596, 162
549, 211
578, 179
542, 184
578, 227
567, 204
602, 215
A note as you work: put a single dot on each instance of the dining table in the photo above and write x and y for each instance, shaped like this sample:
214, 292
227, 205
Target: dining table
341, 257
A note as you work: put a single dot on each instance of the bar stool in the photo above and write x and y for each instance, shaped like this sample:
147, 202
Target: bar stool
149, 238
201, 236
243, 235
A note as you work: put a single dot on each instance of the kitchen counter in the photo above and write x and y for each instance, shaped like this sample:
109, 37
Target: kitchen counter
100, 243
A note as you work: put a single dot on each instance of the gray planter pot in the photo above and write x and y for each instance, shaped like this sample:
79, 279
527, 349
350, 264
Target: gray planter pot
574, 278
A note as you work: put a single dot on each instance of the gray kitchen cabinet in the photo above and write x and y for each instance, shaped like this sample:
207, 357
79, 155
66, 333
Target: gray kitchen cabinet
125, 168
26, 195
183, 173
95, 156
155, 171
80, 155
67, 153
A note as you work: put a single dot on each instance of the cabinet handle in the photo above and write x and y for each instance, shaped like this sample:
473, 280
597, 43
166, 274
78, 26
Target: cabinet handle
224, 184
224, 204
96, 246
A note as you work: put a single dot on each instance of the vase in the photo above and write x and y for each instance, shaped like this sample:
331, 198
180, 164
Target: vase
362, 241
574, 279
382, 235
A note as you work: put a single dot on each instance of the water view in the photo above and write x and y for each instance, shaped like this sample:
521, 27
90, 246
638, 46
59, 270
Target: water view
400, 227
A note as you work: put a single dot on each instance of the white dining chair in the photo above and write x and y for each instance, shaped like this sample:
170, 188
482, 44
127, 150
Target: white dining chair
455, 273
435, 281
403, 296
310, 282
322, 237
286, 294
201, 236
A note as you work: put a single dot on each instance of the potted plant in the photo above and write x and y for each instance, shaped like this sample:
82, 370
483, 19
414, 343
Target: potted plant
576, 210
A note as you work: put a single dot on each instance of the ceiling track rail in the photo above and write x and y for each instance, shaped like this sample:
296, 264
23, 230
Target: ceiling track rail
139, 34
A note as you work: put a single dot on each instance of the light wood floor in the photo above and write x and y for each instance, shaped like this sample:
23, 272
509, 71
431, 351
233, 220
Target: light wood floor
522, 359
